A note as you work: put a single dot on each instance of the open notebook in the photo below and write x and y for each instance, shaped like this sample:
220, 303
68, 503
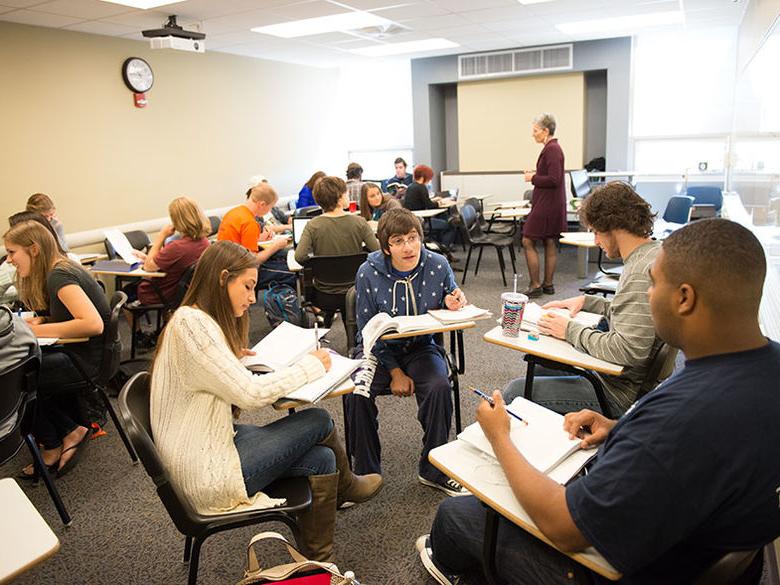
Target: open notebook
382, 323
543, 442
467, 313
532, 312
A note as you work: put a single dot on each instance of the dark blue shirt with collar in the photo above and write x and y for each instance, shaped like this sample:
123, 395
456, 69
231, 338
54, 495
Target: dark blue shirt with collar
690, 472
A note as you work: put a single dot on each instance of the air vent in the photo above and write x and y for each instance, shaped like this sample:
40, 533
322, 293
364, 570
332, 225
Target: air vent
517, 62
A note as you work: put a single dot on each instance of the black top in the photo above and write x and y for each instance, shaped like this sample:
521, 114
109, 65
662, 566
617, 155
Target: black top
690, 472
417, 198
65, 274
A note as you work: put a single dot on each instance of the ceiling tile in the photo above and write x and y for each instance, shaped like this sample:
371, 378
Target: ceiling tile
39, 18
228, 39
140, 19
516, 12
311, 9
374, 5
98, 27
440, 22
411, 10
22, 3
91, 9
242, 21
466, 5
527, 26
205, 9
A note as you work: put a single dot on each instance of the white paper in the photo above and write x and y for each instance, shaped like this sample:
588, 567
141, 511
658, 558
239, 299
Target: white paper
284, 346
44, 341
467, 313
122, 246
340, 370
532, 312
381, 323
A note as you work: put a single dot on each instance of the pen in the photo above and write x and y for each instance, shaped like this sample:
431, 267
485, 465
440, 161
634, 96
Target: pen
316, 335
492, 403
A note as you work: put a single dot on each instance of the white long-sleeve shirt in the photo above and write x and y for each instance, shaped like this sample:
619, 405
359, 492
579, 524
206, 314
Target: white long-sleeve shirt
196, 380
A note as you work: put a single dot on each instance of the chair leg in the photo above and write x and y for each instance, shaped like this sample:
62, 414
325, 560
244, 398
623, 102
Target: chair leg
133, 336
512, 257
500, 255
479, 259
47, 480
187, 549
466, 269
456, 402
194, 560
118, 425
347, 444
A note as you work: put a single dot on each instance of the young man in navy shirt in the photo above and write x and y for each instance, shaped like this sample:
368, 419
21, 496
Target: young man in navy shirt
688, 474
403, 278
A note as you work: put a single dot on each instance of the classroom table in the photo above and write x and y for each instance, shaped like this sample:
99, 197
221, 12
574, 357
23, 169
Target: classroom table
486, 480
550, 351
137, 273
583, 241
429, 213
25, 537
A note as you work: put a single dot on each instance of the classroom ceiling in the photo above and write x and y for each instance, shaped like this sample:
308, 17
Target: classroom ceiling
475, 25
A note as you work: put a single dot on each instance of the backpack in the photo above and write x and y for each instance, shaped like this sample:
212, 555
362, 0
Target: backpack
280, 303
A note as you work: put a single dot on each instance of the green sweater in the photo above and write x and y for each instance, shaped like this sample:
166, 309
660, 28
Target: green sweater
335, 236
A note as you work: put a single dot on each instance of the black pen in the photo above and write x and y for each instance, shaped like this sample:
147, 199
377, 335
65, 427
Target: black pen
492, 403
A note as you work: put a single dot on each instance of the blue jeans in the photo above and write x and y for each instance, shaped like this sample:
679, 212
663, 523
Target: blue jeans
442, 231
287, 447
457, 535
558, 391
274, 270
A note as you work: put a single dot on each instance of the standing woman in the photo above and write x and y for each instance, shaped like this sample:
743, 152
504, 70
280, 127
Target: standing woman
548, 207
199, 385
48, 282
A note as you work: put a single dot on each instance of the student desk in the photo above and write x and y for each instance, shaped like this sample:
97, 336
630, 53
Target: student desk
484, 477
137, 273
429, 213
346, 387
583, 241
550, 352
457, 353
25, 538
85, 259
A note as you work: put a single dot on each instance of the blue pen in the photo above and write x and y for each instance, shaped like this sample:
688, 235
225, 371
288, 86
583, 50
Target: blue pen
492, 403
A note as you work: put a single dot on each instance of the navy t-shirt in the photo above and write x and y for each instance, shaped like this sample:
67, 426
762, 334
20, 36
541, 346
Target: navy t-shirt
689, 473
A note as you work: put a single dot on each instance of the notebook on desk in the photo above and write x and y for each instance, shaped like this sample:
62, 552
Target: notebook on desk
382, 323
114, 266
533, 312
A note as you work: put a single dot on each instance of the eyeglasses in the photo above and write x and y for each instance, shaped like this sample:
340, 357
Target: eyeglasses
398, 242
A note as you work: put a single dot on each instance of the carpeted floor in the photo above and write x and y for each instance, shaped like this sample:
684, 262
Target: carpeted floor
122, 534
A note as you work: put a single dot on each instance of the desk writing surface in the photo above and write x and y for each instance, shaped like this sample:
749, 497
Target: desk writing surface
552, 349
426, 213
579, 239
292, 263
25, 538
346, 387
485, 478
138, 272
441, 329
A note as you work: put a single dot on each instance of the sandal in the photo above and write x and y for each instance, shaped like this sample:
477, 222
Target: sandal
35, 476
548, 289
78, 450
533, 293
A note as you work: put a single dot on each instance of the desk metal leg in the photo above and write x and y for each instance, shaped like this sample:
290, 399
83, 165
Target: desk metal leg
489, 546
529, 378
582, 261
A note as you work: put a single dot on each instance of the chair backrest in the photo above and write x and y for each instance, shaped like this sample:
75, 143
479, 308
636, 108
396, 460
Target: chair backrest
470, 226
706, 195
134, 400
2, 258
580, 183
678, 210
734, 568
335, 271
112, 344
350, 318
308, 211
661, 367
182, 287
17, 386
138, 239
214, 221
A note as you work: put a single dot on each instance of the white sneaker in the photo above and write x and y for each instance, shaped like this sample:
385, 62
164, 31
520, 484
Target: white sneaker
450, 486
423, 546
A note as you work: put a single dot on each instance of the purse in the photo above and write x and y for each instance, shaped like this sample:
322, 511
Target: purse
301, 571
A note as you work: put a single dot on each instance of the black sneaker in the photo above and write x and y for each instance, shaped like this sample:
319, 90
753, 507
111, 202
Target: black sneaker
449, 486
423, 546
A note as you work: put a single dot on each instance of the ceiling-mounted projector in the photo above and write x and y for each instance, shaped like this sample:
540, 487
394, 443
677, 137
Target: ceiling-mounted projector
173, 36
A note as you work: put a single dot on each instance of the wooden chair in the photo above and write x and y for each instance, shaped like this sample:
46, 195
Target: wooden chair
134, 408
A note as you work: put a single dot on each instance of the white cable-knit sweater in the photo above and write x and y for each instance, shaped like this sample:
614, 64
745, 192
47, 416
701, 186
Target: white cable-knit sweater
196, 380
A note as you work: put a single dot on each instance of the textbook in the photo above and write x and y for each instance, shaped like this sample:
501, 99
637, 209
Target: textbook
532, 312
341, 369
114, 266
382, 323
467, 313
542, 441
284, 346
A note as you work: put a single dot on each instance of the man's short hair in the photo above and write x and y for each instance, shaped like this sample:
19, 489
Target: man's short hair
424, 172
263, 192
722, 260
616, 206
328, 191
401, 161
396, 222
354, 171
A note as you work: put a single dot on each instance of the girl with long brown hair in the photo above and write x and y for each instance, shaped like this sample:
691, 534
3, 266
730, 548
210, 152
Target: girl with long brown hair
70, 304
198, 383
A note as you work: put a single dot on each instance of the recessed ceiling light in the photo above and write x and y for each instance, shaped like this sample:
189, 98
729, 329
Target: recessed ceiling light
323, 24
621, 23
143, 4
401, 48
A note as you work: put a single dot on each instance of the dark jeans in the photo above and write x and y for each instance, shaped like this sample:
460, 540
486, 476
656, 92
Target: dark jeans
273, 271
457, 535
287, 447
433, 393
556, 390
442, 231
57, 409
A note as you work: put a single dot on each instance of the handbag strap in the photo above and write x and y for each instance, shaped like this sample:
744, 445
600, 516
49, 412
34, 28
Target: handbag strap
253, 565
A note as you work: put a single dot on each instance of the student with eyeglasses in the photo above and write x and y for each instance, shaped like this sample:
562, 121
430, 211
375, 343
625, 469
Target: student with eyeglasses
403, 278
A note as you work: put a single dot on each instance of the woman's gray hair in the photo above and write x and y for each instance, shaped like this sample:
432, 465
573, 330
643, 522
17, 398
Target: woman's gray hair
546, 121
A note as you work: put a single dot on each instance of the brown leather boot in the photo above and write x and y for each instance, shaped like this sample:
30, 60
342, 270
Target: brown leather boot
318, 523
352, 488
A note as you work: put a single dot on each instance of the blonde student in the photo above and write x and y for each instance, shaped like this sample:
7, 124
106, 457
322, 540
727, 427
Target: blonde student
198, 385
43, 204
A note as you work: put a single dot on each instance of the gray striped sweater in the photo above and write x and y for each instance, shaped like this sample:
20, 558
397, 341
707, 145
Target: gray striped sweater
631, 340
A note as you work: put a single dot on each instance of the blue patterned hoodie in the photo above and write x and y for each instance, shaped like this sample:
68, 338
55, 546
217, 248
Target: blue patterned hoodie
381, 290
